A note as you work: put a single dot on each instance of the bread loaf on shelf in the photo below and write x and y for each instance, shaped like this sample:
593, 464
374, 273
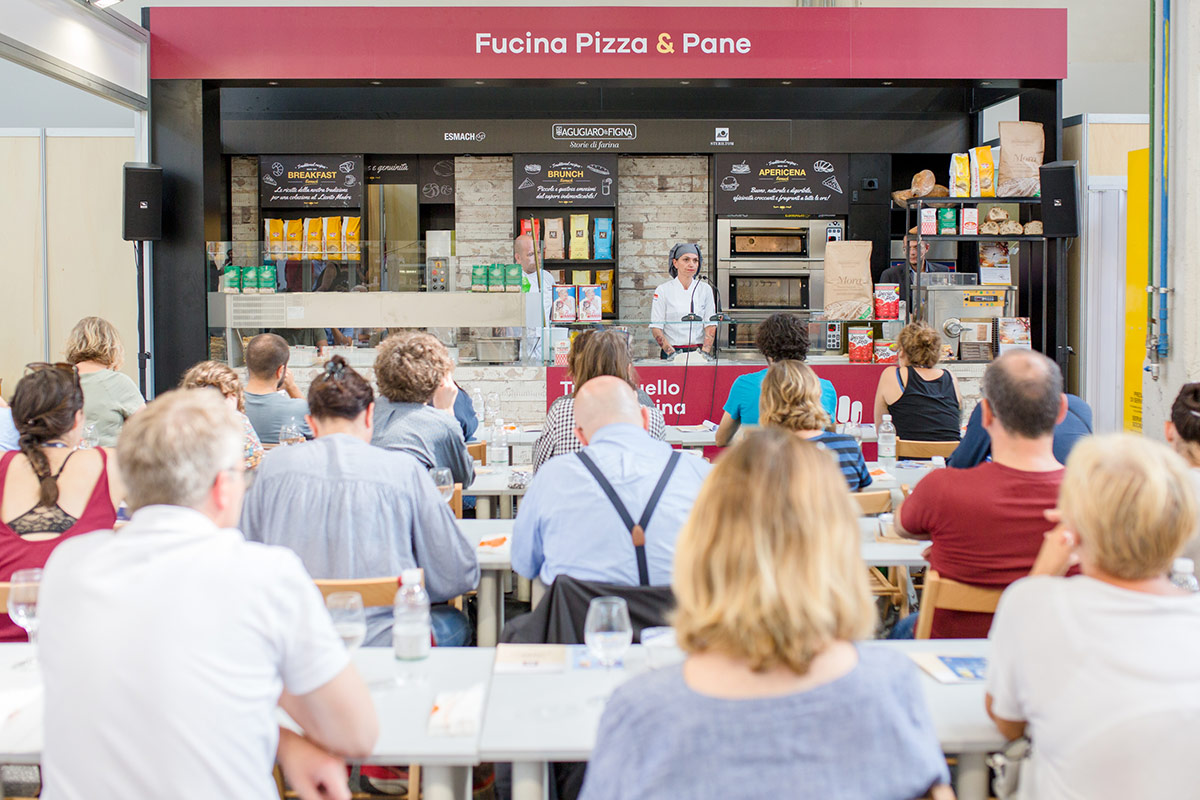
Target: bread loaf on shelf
1034, 228
989, 228
996, 214
1010, 227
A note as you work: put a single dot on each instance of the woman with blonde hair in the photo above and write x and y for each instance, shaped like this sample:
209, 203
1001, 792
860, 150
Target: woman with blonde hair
922, 397
109, 396
222, 378
593, 353
776, 698
1100, 670
791, 399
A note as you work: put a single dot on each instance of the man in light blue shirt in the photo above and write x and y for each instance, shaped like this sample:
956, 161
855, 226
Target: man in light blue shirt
568, 526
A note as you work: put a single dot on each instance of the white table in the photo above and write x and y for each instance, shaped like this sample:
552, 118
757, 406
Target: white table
907, 476
687, 439
492, 482
494, 562
532, 719
403, 709
888, 554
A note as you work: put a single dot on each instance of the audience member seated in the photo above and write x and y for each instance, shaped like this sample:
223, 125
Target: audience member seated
272, 398
109, 396
1099, 670
350, 510
922, 397
791, 399
976, 445
985, 524
222, 378
466, 413
49, 490
8, 431
779, 337
167, 647
415, 412
1182, 432
775, 693
569, 523
593, 353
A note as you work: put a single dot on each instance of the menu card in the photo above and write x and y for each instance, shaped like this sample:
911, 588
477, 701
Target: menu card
952, 668
530, 658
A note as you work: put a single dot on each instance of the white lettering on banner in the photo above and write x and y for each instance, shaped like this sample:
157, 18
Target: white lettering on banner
598, 44
659, 387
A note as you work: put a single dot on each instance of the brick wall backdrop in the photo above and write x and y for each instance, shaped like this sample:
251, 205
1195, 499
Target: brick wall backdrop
247, 224
483, 209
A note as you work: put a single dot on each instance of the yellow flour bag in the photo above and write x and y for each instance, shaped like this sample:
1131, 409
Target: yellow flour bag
579, 236
350, 237
314, 239
333, 238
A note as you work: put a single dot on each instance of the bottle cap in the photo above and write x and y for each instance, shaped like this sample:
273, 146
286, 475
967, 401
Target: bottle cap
887, 417
1183, 565
411, 577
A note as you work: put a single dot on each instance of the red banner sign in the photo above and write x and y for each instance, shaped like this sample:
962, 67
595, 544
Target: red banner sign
691, 395
240, 43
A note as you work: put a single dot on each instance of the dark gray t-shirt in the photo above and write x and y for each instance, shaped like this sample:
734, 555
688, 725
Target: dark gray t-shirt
431, 436
864, 736
270, 412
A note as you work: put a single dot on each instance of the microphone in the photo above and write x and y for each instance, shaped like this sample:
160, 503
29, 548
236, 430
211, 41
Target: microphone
719, 316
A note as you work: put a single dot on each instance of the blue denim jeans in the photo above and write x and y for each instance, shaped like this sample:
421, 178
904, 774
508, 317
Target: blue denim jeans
451, 628
904, 628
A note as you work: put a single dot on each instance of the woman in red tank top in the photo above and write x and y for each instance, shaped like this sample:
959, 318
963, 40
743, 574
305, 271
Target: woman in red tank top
50, 489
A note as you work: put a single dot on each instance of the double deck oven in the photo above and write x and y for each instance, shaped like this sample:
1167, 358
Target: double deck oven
769, 265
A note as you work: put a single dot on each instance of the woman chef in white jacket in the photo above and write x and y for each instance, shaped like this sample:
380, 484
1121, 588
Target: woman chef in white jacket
679, 315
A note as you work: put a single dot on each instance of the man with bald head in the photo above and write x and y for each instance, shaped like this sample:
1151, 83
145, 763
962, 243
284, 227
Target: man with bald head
611, 512
533, 283
986, 523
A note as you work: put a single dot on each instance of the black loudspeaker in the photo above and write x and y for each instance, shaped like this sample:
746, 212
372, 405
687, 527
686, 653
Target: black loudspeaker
1060, 199
142, 218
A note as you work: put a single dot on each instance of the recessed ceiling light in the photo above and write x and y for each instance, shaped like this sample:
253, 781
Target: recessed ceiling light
888, 83
786, 83
479, 83
987, 83
272, 83
376, 83
582, 83
684, 83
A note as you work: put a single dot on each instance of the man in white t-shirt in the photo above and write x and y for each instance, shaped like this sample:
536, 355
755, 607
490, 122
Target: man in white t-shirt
1102, 670
166, 648
537, 315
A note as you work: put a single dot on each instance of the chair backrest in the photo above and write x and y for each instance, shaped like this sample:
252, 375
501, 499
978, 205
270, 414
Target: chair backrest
876, 502
478, 451
560, 617
456, 501
951, 595
375, 591
907, 448
4, 587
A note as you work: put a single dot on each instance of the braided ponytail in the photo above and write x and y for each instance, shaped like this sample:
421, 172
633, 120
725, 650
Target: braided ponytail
44, 408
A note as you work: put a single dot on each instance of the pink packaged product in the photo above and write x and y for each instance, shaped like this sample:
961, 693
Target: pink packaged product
929, 222
860, 345
886, 352
887, 301
969, 222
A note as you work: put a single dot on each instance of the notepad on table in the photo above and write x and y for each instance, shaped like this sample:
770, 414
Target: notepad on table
952, 668
881, 474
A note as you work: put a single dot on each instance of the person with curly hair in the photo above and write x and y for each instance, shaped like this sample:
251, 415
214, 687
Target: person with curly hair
791, 399
922, 397
780, 336
109, 396
415, 411
222, 378
50, 490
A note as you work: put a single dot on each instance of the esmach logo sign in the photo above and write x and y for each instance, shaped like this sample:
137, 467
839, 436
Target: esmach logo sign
593, 136
458, 136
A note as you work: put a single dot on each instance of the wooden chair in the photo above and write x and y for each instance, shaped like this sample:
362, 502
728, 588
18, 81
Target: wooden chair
951, 595
478, 451
456, 501
4, 587
907, 448
876, 502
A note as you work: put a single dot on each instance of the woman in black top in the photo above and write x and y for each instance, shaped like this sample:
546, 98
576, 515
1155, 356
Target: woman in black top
922, 398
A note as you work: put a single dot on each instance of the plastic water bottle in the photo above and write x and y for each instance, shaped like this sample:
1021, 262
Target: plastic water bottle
412, 628
1183, 574
497, 451
887, 441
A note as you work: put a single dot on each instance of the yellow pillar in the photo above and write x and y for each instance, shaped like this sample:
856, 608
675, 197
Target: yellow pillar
1137, 266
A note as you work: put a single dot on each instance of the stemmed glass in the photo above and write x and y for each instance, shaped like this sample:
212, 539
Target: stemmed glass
291, 433
89, 438
607, 631
22, 607
349, 618
443, 478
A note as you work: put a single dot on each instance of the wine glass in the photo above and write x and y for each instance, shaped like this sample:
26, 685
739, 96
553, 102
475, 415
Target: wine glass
291, 433
853, 430
89, 438
443, 478
22, 607
349, 618
607, 631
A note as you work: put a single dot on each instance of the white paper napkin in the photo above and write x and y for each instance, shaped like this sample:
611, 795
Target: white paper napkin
457, 713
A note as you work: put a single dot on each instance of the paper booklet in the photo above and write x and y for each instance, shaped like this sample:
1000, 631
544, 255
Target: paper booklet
952, 668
